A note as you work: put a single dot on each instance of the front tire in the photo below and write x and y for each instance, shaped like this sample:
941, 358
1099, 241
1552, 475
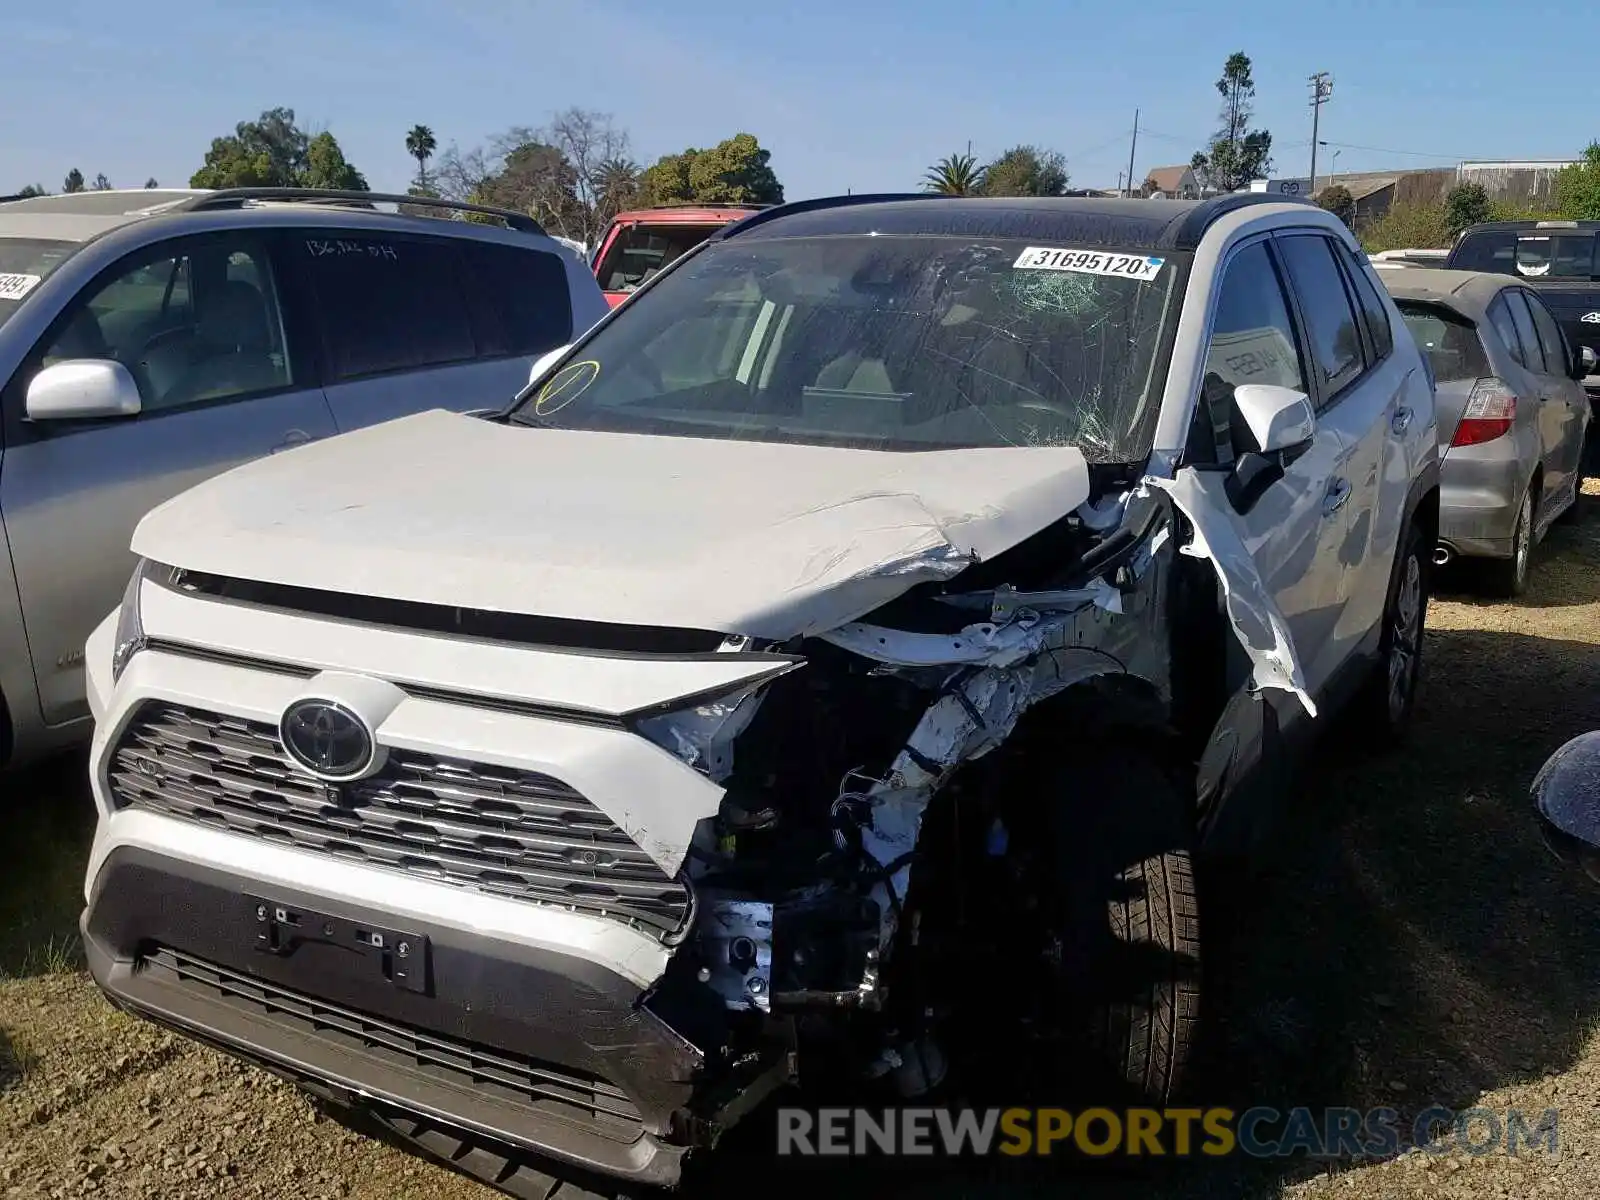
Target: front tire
1128, 919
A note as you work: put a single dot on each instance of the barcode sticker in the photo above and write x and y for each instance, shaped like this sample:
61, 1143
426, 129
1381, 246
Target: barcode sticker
1088, 262
15, 287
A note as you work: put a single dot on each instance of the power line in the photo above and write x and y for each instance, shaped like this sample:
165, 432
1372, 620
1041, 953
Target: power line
1401, 153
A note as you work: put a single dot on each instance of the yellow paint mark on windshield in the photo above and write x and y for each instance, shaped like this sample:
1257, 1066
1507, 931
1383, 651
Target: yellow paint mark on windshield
565, 386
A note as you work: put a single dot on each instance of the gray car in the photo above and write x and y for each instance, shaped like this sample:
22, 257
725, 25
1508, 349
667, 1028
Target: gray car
151, 339
1512, 413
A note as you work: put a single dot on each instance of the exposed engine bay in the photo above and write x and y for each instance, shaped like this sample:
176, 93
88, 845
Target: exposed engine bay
866, 850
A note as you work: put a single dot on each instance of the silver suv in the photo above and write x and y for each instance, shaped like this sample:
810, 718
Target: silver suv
149, 339
835, 663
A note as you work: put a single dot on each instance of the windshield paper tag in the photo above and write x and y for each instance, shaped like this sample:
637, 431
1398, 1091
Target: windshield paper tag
15, 287
1088, 262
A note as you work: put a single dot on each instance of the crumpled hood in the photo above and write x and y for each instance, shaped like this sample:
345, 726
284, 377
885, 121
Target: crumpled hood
750, 538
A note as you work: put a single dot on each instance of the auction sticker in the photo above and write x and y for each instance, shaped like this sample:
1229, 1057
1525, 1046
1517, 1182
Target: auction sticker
1088, 262
15, 287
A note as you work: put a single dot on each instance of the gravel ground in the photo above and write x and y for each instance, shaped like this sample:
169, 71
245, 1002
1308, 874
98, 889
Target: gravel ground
1411, 943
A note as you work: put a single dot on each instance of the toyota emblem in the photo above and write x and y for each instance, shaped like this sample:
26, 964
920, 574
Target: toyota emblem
326, 739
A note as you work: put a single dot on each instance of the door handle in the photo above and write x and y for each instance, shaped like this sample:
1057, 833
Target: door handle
295, 437
1333, 500
1401, 421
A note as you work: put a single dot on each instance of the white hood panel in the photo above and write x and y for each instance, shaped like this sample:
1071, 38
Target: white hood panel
752, 538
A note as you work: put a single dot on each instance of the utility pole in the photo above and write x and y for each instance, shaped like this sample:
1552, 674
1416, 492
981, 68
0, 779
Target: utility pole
1321, 89
1128, 192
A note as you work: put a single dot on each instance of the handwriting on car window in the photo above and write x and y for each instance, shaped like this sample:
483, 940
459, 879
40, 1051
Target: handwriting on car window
338, 248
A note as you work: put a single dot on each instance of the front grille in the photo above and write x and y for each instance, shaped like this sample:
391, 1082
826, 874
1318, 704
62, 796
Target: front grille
497, 829
596, 1104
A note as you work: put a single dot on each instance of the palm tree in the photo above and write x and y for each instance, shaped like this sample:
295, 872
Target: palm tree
420, 144
616, 186
954, 175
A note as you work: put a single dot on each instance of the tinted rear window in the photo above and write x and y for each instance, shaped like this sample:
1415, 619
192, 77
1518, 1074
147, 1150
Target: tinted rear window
520, 303
1528, 254
1450, 341
640, 251
386, 303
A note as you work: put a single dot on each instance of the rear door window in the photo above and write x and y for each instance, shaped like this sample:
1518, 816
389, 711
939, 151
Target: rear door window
1373, 312
1556, 353
519, 298
1532, 354
1450, 341
386, 303
1330, 319
1500, 318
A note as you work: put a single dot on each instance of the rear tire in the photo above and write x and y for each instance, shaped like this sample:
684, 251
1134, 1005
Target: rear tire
1388, 700
1508, 577
1128, 919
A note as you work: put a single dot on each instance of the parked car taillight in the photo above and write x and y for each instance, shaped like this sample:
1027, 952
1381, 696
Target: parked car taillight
1490, 410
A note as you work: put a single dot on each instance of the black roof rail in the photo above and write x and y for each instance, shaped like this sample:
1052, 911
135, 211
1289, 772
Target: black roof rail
1193, 225
240, 196
818, 204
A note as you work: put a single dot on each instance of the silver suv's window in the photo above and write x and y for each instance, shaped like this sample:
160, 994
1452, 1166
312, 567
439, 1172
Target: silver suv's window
24, 262
895, 343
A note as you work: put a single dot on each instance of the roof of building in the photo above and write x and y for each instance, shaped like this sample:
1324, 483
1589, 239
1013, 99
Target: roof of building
1060, 220
1166, 179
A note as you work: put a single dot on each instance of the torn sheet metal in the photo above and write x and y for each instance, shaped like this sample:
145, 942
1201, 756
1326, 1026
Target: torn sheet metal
1252, 612
964, 723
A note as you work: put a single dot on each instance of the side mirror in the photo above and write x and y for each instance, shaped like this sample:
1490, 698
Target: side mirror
1279, 418
1584, 363
1566, 797
1282, 422
546, 361
81, 389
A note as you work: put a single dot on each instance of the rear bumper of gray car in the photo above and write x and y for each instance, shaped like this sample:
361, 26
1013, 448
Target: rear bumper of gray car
1480, 488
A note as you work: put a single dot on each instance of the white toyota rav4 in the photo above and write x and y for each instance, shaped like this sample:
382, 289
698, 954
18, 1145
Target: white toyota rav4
833, 665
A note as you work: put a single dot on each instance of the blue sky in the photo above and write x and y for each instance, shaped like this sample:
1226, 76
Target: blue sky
858, 94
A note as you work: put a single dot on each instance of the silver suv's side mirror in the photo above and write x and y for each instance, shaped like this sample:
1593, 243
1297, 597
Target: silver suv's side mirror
1282, 423
1279, 418
80, 389
1585, 364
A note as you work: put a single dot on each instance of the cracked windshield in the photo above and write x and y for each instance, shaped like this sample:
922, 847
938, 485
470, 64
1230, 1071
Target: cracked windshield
884, 342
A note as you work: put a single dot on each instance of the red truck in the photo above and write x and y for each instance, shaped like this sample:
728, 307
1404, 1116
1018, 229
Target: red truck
637, 244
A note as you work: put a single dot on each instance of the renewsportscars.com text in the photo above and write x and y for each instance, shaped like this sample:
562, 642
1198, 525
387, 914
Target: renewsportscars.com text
1149, 1132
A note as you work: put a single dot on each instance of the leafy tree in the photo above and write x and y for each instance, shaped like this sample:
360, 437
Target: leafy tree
33, 189
326, 167
1467, 204
101, 183
736, 171
151, 182
1026, 171
73, 182
1408, 225
1237, 154
954, 175
570, 174
1338, 200
420, 144
1578, 187
273, 151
